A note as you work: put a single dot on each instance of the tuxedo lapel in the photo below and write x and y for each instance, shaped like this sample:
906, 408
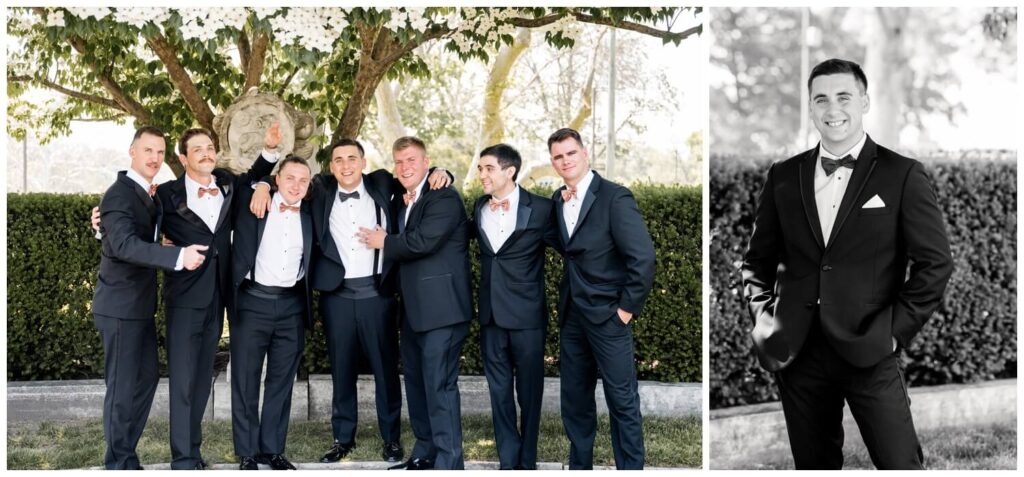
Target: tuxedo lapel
224, 182
807, 165
141, 193
588, 201
327, 244
478, 218
179, 202
307, 234
522, 217
861, 172
559, 212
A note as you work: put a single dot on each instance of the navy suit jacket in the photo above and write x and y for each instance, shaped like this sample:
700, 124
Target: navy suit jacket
249, 236
328, 272
512, 277
194, 289
130, 254
609, 260
433, 257
866, 295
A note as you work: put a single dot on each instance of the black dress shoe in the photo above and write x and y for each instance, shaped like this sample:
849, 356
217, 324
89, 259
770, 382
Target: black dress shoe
278, 462
248, 463
414, 464
337, 452
392, 452
202, 465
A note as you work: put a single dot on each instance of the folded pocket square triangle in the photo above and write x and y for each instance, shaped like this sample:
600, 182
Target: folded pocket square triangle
873, 203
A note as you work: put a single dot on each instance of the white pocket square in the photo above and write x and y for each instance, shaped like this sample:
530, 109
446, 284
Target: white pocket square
874, 203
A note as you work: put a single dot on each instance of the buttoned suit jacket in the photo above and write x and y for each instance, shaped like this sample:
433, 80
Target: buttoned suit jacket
858, 280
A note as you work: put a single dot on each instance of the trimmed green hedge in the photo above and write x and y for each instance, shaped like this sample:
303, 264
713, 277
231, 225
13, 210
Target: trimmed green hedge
972, 336
52, 260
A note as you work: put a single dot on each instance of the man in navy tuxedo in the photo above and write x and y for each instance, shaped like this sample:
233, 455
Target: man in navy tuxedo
270, 261
826, 280
125, 297
512, 227
430, 248
608, 271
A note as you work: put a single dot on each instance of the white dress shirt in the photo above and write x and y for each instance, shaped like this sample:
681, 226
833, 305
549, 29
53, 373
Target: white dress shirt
208, 207
499, 224
829, 190
419, 193
346, 219
571, 207
279, 258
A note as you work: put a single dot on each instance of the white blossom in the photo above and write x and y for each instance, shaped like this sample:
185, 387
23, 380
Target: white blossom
54, 18
85, 12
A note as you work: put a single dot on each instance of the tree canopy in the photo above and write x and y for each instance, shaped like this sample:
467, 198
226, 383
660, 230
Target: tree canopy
178, 67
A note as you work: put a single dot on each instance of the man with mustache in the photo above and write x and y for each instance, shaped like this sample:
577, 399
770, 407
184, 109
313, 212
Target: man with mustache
125, 298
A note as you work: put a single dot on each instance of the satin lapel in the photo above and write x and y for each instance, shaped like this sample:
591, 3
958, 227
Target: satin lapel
588, 201
522, 217
861, 172
307, 234
381, 202
331, 190
141, 193
224, 183
807, 166
417, 211
559, 212
179, 202
261, 224
478, 218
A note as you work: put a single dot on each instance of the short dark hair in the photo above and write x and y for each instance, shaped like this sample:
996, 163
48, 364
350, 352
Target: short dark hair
408, 141
506, 155
563, 134
189, 134
347, 142
292, 158
151, 130
836, 66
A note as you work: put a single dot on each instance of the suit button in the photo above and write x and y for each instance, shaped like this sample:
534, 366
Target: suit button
826, 268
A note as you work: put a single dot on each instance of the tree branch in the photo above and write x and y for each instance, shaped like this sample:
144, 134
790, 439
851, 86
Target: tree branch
69, 92
287, 81
125, 102
244, 51
256, 61
623, 25
181, 79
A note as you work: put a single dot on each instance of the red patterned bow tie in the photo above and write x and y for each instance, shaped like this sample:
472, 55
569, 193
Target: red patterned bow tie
499, 203
285, 208
568, 193
408, 197
152, 190
212, 191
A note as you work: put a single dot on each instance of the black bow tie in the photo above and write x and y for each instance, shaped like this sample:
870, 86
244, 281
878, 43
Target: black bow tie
343, 196
830, 165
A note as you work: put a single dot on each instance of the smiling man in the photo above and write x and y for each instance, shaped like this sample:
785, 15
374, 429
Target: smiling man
429, 246
826, 280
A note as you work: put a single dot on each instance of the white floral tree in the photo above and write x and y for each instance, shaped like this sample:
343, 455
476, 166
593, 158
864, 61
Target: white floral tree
178, 67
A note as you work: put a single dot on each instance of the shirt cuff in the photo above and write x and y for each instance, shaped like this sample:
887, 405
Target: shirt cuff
99, 235
178, 265
271, 157
254, 184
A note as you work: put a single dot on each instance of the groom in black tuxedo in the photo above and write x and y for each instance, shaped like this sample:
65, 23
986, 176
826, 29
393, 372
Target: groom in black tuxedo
825, 276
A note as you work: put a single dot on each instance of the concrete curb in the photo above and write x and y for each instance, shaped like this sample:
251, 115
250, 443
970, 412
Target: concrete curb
69, 400
744, 434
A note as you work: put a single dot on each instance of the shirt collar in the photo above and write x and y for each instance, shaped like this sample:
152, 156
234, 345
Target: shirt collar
584, 184
135, 176
361, 189
192, 187
854, 151
513, 198
419, 190
279, 199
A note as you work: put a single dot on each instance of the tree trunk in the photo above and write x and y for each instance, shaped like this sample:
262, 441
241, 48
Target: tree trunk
388, 116
493, 130
257, 58
888, 70
368, 76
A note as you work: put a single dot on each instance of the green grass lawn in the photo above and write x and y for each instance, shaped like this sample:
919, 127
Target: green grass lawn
78, 444
952, 448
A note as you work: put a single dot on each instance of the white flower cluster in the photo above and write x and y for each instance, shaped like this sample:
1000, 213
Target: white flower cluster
313, 28
567, 25
139, 16
85, 12
203, 23
264, 12
55, 17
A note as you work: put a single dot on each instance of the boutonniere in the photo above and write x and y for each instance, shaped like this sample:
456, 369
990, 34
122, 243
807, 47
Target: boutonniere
226, 188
